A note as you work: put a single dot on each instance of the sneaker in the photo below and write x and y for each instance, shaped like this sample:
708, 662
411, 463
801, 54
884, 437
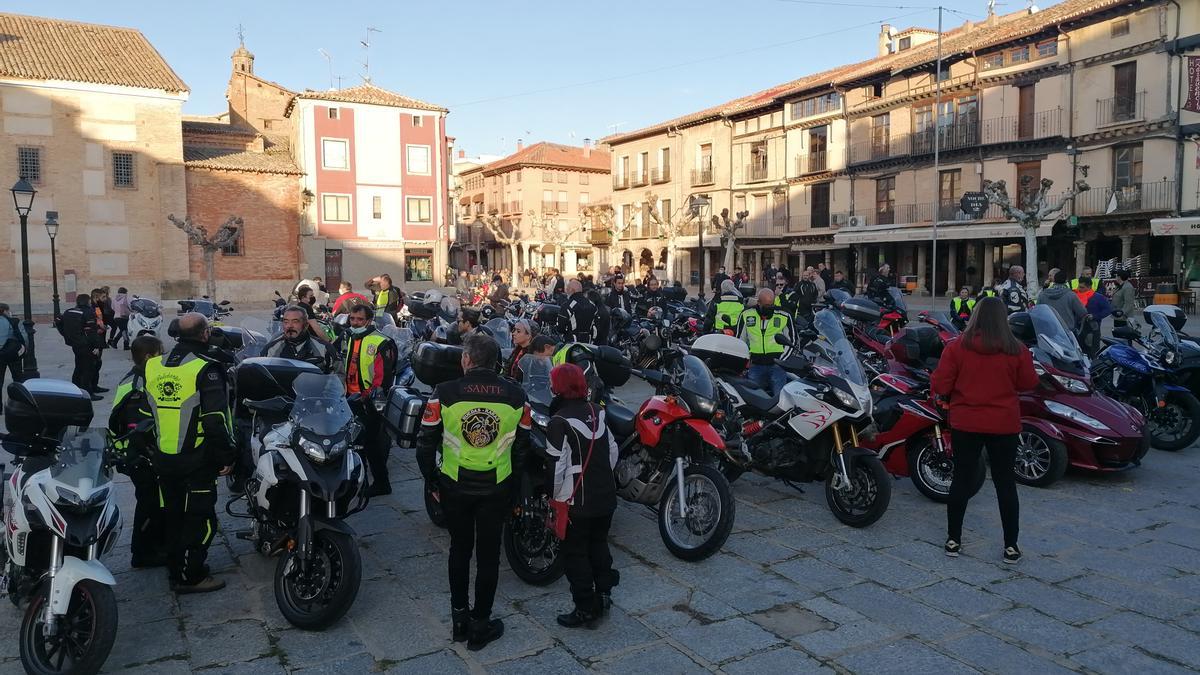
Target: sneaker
953, 548
461, 620
1012, 555
205, 585
99, 390
482, 632
96, 397
578, 617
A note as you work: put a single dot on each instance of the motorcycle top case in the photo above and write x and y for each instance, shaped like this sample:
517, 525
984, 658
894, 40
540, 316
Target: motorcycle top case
264, 377
403, 415
435, 363
45, 407
722, 352
861, 309
674, 293
611, 365
547, 314
1175, 315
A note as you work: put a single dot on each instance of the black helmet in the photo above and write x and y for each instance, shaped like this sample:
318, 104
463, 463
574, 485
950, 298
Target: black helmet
486, 312
1022, 326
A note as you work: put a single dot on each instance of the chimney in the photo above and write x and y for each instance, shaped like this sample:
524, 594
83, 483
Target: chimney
520, 144
587, 148
885, 39
462, 154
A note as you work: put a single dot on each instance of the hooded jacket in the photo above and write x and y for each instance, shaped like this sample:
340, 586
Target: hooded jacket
985, 405
1065, 303
569, 436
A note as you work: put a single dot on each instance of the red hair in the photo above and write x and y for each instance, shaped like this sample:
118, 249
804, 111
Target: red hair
567, 381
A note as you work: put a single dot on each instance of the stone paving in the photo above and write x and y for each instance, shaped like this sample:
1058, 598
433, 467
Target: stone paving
1109, 584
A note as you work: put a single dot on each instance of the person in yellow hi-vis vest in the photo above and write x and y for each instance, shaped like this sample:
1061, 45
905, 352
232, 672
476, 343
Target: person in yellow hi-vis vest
189, 398
758, 328
481, 424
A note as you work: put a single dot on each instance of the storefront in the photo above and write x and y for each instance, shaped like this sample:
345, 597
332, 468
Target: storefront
1186, 245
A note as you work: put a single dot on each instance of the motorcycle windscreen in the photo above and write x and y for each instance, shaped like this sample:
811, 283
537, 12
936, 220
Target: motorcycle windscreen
80, 463
1055, 342
833, 342
897, 298
321, 406
699, 387
945, 322
204, 307
255, 335
501, 332
384, 321
535, 379
1164, 330
146, 307
403, 339
838, 296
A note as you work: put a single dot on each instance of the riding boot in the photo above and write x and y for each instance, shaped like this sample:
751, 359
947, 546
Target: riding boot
461, 619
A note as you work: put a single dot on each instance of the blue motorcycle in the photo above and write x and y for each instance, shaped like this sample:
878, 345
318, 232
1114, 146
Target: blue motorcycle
1145, 374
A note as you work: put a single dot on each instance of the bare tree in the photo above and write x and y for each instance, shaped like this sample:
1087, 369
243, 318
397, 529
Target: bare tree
1036, 207
227, 234
506, 231
728, 228
671, 225
605, 216
557, 231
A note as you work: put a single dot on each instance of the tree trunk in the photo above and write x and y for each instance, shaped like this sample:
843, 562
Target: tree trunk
730, 243
671, 247
512, 266
210, 272
1031, 258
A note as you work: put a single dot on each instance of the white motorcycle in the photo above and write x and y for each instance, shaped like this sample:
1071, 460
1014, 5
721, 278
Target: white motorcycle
145, 317
60, 517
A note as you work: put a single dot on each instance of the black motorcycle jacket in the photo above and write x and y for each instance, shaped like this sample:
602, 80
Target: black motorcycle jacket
620, 300
577, 322
306, 348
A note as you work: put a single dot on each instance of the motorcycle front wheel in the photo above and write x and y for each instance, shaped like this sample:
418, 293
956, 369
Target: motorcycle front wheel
315, 599
867, 497
710, 512
530, 547
85, 633
1175, 425
932, 472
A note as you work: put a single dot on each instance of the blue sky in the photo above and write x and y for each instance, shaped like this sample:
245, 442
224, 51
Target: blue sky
592, 64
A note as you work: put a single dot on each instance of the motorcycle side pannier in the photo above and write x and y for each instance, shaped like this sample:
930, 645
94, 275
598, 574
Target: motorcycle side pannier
45, 407
264, 377
861, 309
547, 314
435, 363
403, 415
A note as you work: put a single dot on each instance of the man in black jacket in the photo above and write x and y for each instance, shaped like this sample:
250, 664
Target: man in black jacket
840, 282
651, 296
481, 425
296, 341
603, 322
802, 298
877, 288
577, 322
619, 297
82, 335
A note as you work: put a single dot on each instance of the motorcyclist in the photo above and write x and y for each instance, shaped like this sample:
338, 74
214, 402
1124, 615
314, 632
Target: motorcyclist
802, 297
306, 300
651, 296
370, 365
962, 305
1065, 303
297, 342
758, 327
724, 313
1085, 273
603, 321
577, 321
1012, 291
877, 288
620, 297
388, 298
499, 293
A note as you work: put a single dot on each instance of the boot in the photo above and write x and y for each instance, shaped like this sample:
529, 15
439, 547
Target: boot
605, 601
205, 585
482, 632
461, 621
579, 617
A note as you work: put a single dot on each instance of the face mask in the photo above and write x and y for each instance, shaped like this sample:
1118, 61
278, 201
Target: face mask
766, 312
359, 330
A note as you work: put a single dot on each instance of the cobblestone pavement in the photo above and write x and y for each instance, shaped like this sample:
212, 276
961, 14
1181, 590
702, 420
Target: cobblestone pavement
1109, 583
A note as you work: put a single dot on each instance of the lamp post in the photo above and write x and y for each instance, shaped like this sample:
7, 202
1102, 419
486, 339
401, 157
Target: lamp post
697, 206
52, 232
23, 194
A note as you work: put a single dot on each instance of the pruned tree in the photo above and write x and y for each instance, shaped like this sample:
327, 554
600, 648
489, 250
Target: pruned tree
728, 227
505, 230
671, 225
605, 216
198, 235
1036, 207
557, 231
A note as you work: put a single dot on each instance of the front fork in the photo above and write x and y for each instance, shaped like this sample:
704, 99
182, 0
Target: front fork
679, 482
841, 476
56, 561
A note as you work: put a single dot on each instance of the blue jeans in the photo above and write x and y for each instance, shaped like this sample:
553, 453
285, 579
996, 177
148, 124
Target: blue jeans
768, 376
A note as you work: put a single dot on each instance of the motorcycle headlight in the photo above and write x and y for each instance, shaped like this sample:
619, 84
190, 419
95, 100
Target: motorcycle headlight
1075, 415
1072, 385
843, 399
1168, 358
540, 419
325, 450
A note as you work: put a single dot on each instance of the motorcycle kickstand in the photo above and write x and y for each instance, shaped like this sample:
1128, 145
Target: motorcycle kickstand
795, 487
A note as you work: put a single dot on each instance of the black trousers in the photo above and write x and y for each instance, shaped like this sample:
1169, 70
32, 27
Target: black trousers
1002, 454
475, 523
85, 368
377, 445
190, 518
16, 367
148, 539
120, 329
588, 561
99, 362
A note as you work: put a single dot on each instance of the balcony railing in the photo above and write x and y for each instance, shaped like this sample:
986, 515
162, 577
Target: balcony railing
640, 178
816, 161
817, 221
512, 207
756, 172
620, 181
1044, 124
1119, 109
555, 207
702, 176
660, 174
1158, 196
963, 133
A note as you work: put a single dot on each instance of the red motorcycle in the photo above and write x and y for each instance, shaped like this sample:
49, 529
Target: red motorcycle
910, 439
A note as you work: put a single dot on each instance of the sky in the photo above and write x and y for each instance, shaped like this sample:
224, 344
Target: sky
561, 70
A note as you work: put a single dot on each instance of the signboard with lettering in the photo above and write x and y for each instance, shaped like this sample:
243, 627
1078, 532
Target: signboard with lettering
973, 203
1174, 227
1193, 78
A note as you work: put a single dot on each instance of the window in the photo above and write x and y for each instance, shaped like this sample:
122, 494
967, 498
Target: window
335, 208
881, 134
905, 43
547, 176
234, 247
885, 200
562, 176
332, 113
923, 118
335, 154
377, 207
418, 265
518, 176
944, 73
993, 61
820, 205
818, 105
417, 120
584, 200
418, 159
948, 193
1027, 189
419, 209
1120, 27
874, 90
124, 170
583, 179
1127, 166
1019, 55
29, 164
1124, 91
1049, 48
818, 144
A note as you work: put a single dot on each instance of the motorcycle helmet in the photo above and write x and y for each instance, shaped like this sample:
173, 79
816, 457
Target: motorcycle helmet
1022, 327
620, 319
486, 313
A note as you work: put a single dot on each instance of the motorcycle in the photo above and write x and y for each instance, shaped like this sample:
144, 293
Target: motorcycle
214, 312
1188, 369
1145, 378
145, 317
1064, 421
61, 517
308, 478
809, 430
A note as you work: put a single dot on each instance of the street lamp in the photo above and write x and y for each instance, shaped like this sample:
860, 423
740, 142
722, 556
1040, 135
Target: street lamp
23, 194
52, 231
697, 206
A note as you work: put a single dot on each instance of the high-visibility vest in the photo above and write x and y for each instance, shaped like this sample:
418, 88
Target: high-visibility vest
759, 333
957, 303
368, 352
728, 312
175, 402
479, 436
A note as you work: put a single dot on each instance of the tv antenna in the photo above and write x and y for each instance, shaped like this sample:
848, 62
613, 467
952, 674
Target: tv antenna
329, 60
241, 33
366, 45
615, 126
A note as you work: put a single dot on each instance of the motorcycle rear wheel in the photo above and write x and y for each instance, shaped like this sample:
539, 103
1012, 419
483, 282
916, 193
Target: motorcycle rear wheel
711, 509
868, 497
318, 601
85, 635
532, 550
1182, 413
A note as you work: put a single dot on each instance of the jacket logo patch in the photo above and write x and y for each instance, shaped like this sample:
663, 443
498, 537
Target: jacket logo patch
371, 349
167, 387
751, 320
480, 427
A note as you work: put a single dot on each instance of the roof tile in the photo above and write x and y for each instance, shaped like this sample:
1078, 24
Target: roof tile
229, 159
553, 154
367, 93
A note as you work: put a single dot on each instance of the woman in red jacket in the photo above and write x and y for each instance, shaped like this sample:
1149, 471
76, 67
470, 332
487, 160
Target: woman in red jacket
982, 372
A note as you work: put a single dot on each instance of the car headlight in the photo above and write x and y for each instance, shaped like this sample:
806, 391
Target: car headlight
1073, 414
1072, 385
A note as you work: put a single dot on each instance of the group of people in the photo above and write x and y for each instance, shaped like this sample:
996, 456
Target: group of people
96, 322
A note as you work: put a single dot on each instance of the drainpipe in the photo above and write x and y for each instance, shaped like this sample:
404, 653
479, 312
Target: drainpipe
1178, 115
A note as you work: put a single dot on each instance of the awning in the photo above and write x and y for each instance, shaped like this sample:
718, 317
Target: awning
1172, 227
874, 234
478, 199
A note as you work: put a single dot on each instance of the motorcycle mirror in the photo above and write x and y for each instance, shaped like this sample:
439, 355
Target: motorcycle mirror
223, 302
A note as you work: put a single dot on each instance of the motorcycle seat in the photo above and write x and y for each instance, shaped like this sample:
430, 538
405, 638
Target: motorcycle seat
620, 419
753, 395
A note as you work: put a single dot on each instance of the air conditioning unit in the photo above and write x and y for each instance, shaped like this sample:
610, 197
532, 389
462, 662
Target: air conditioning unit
856, 221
